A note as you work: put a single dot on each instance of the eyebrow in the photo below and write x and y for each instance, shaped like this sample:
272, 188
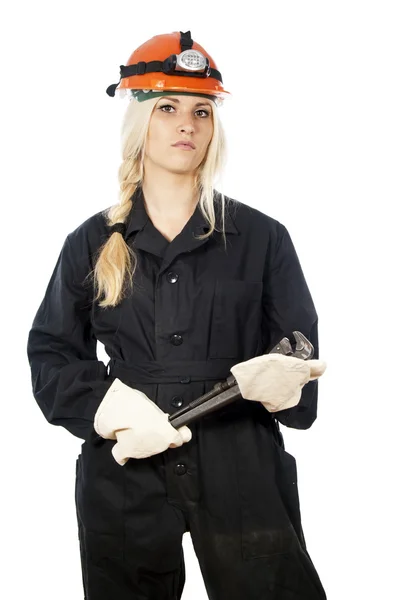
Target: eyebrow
175, 100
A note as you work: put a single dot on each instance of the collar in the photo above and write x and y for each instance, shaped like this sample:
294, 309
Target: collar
149, 238
139, 218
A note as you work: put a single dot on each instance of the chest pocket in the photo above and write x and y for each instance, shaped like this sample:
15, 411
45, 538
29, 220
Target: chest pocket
236, 318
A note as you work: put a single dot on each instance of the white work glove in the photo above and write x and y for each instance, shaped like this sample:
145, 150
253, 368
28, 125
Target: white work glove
140, 427
276, 380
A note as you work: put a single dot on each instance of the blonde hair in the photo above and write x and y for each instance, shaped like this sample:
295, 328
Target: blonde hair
116, 262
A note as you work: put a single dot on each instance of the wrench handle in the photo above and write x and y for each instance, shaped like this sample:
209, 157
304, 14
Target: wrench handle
197, 410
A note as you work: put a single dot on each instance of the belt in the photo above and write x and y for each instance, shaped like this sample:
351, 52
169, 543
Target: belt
185, 371
182, 371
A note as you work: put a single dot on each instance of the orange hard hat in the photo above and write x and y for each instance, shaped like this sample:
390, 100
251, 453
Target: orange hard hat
171, 62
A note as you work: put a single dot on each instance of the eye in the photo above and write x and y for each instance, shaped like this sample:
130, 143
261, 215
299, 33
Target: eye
170, 106
203, 110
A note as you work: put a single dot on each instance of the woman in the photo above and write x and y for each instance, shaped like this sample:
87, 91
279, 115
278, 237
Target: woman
187, 286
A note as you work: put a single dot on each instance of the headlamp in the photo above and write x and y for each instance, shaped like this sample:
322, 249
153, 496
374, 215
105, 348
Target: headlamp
189, 61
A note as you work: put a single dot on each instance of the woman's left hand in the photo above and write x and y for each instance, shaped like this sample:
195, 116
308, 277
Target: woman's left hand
276, 380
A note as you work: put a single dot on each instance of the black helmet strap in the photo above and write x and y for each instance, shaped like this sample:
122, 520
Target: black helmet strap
186, 41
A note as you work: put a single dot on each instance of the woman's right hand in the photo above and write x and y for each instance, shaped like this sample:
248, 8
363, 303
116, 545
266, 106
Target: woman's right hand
140, 427
141, 443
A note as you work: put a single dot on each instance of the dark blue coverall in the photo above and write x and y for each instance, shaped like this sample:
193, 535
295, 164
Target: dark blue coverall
196, 310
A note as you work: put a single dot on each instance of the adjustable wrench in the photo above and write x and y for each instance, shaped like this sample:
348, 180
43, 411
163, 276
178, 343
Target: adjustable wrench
227, 391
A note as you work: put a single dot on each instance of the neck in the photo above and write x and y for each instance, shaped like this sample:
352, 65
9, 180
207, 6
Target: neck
169, 195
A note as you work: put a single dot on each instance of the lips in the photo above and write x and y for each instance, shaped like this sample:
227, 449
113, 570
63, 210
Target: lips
184, 145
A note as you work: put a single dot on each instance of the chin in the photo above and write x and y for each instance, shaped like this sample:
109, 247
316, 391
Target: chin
178, 171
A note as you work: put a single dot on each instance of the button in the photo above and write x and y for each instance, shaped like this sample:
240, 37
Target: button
177, 401
172, 277
176, 339
180, 469
186, 379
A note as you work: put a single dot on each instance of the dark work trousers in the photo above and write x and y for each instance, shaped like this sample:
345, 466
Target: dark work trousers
233, 487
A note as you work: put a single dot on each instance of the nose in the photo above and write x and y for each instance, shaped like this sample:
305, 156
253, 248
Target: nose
188, 126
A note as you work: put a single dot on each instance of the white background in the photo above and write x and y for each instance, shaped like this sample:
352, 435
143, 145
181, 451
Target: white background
313, 127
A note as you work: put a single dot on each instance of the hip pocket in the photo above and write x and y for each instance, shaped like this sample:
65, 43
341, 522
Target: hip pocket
267, 493
287, 482
236, 318
100, 488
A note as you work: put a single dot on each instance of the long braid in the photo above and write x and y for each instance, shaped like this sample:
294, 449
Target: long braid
116, 261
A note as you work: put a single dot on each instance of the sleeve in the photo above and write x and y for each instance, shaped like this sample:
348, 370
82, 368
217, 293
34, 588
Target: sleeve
288, 306
68, 381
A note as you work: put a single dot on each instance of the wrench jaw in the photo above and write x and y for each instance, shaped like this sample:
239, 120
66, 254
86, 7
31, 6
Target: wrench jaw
283, 347
303, 349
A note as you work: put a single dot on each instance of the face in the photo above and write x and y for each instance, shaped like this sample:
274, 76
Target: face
174, 119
